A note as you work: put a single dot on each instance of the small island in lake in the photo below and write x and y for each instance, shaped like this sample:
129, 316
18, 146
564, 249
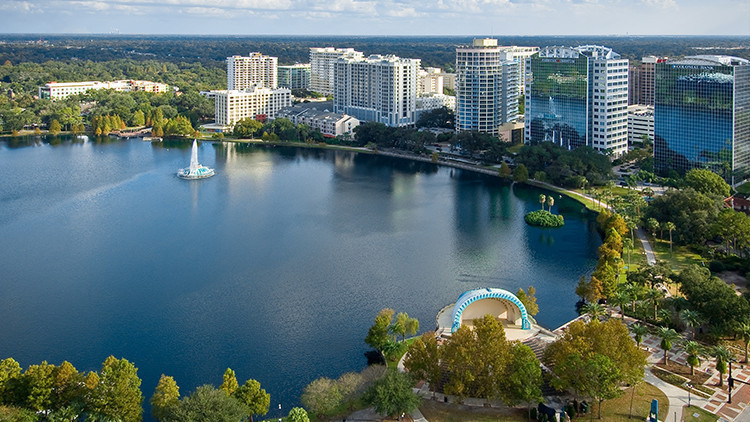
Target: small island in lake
544, 218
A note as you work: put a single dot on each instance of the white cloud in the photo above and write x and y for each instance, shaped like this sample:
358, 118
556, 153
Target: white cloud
661, 3
20, 6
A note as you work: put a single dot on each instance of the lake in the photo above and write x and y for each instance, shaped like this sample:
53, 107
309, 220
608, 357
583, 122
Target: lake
275, 267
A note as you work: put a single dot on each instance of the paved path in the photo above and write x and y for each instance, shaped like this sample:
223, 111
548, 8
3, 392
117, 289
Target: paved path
650, 257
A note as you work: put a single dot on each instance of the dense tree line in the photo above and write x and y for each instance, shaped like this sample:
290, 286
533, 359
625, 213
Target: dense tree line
130, 108
26, 77
577, 168
478, 362
433, 51
46, 392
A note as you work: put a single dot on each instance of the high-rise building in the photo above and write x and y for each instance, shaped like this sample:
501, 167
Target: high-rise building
322, 65
702, 116
430, 81
295, 77
578, 96
255, 69
486, 87
519, 55
377, 89
640, 124
255, 102
641, 81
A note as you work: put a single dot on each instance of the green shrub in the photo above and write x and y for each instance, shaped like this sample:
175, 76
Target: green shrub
543, 218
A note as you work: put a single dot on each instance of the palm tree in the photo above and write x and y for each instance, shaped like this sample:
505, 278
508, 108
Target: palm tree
667, 336
654, 296
671, 227
620, 298
542, 199
594, 310
723, 356
691, 319
744, 332
632, 226
550, 202
638, 331
627, 244
694, 352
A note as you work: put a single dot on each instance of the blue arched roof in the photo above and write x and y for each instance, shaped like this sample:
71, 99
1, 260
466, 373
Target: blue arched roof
473, 295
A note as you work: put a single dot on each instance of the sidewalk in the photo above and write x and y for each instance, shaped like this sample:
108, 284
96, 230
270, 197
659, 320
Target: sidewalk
650, 257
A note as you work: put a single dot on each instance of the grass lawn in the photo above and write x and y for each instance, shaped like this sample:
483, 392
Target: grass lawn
744, 188
618, 409
680, 258
435, 411
515, 148
408, 341
688, 415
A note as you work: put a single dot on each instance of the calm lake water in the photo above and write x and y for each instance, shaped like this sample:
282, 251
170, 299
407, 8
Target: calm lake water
275, 267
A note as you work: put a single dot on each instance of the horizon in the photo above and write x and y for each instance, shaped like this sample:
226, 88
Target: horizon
396, 17
144, 34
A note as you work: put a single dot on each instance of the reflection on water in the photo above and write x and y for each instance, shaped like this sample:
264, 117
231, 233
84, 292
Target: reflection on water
274, 267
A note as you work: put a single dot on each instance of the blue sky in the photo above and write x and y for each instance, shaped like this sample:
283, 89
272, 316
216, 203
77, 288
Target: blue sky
379, 17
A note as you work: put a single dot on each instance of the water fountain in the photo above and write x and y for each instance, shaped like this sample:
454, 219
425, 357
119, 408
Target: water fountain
196, 170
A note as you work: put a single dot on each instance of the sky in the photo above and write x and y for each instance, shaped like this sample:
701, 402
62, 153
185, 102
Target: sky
378, 17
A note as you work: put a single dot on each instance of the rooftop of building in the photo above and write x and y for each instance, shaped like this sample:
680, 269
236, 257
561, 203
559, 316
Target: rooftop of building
311, 113
595, 51
711, 60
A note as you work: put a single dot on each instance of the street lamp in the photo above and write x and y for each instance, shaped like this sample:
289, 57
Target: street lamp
690, 389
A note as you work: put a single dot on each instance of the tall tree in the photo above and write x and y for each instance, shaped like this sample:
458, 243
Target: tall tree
39, 381
118, 393
575, 363
321, 396
638, 330
68, 386
523, 377
520, 174
707, 182
528, 300
166, 395
229, 384
694, 352
10, 371
723, 355
378, 335
542, 199
422, 359
206, 403
255, 398
393, 395
667, 336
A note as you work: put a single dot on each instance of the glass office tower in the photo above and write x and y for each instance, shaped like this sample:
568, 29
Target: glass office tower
578, 96
701, 116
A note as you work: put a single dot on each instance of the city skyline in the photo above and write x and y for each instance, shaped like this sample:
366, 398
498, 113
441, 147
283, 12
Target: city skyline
378, 17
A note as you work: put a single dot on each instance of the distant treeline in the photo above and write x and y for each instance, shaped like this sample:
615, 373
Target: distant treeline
212, 51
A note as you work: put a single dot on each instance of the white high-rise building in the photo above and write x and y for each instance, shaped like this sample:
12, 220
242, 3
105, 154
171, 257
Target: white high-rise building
430, 81
255, 102
255, 69
578, 96
486, 87
519, 55
322, 64
377, 89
